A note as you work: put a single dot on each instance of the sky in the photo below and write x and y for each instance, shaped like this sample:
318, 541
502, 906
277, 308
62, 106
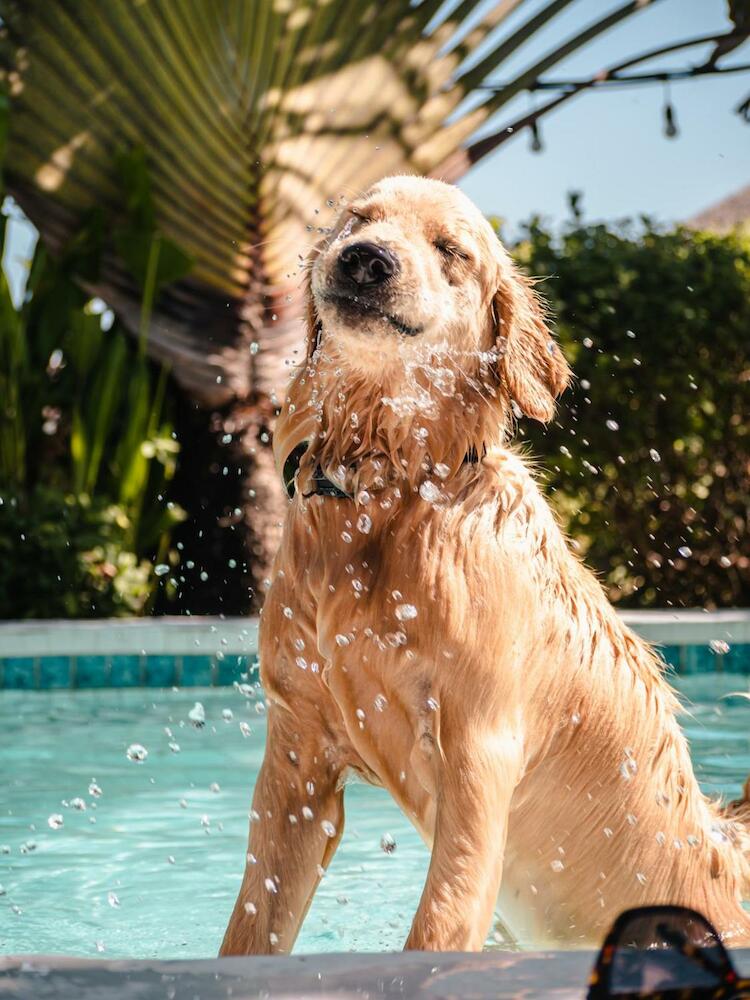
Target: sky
610, 145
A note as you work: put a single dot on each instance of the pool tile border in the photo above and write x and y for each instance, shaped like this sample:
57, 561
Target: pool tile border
200, 652
43, 673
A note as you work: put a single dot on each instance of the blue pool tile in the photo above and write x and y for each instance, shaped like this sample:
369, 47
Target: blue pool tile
699, 659
230, 668
737, 660
54, 672
160, 671
18, 672
672, 656
126, 671
91, 672
196, 671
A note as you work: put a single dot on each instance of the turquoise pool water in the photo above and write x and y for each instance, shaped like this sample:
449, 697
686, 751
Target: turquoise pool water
150, 867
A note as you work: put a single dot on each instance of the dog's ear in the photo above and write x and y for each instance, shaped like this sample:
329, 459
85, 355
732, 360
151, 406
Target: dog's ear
312, 321
531, 365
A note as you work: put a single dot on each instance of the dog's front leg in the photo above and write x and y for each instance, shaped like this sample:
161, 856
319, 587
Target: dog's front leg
476, 781
296, 825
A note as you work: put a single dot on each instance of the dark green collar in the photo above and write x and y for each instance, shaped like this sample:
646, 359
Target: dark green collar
322, 486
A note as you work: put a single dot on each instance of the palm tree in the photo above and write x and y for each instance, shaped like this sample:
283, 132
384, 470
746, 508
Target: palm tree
256, 117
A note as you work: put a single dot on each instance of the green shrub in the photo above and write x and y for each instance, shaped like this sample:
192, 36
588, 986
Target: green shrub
87, 449
649, 460
67, 556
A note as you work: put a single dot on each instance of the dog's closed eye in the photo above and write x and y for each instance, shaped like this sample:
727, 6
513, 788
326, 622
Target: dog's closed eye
450, 250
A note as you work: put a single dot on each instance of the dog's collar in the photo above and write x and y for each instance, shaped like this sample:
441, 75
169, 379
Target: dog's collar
322, 486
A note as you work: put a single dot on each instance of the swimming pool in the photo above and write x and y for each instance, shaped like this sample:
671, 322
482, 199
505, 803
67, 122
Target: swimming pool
148, 857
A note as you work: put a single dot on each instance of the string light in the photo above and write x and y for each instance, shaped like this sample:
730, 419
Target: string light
671, 130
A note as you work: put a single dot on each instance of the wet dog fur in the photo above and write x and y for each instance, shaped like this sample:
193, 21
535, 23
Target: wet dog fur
435, 632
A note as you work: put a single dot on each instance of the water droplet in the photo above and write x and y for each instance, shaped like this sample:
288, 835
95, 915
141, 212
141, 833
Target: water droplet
161, 569
405, 612
78, 803
608, 833
342, 640
197, 715
433, 704
381, 702
137, 753
245, 729
227, 714
719, 647
387, 843
270, 885
364, 524
55, 821
328, 828
429, 491
113, 899
174, 747
307, 813
612, 425
254, 347
94, 790
685, 551
556, 865
214, 787
641, 878
655, 456
301, 662
288, 613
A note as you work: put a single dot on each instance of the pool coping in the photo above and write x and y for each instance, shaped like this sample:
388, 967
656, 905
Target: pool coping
490, 975
167, 635
427, 975
183, 635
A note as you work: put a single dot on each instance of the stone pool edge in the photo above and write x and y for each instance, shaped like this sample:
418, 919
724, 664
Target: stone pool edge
427, 975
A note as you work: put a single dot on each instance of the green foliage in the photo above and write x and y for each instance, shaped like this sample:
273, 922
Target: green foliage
86, 446
64, 555
649, 458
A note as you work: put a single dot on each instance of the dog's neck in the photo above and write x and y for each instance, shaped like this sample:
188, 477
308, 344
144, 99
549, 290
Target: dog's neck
410, 422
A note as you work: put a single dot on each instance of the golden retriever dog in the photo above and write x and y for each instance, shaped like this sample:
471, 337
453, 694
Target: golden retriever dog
429, 627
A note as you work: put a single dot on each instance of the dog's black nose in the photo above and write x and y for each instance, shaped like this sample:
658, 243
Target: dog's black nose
367, 264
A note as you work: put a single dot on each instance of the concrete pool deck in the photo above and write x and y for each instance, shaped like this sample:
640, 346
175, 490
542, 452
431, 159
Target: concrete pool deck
423, 975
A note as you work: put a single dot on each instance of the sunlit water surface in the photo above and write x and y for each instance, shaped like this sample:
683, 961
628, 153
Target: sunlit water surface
151, 866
